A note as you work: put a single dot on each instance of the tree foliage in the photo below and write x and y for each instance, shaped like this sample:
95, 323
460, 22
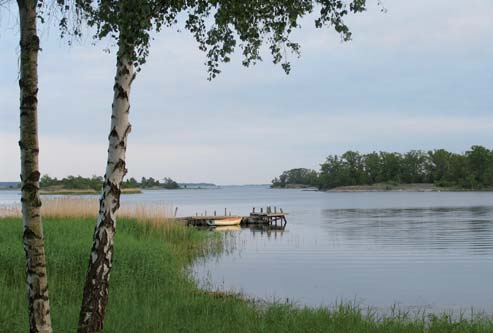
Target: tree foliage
295, 177
218, 26
96, 183
471, 170
73, 182
150, 182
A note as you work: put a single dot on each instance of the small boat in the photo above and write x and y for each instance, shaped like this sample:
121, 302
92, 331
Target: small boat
225, 222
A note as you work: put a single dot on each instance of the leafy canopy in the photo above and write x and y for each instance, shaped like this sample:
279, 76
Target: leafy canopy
471, 170
218, 26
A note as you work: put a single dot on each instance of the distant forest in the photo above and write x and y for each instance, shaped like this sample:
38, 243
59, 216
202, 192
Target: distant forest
471, 170
96, 183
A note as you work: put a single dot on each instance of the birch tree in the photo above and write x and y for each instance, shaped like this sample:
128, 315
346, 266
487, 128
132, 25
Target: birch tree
30, 11
36, 277
219, 27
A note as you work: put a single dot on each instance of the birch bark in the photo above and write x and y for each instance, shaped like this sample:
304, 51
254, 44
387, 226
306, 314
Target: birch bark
33, 239
95, 297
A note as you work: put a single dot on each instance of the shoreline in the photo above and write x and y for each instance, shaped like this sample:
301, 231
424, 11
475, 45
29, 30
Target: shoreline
84, 191
383, 187
63, 191
386, 187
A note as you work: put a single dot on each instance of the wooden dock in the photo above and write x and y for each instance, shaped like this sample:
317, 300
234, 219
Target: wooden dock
270, 217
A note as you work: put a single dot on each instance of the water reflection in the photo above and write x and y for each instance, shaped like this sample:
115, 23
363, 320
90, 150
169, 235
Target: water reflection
257, 230
228, 228
266, 231
444, 229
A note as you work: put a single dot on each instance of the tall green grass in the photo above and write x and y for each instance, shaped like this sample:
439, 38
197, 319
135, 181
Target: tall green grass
151, 292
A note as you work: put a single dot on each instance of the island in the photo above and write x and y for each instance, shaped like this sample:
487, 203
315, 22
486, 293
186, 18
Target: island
416, 170
92, 185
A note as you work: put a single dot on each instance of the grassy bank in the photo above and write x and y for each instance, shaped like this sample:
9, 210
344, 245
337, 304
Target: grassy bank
150, 291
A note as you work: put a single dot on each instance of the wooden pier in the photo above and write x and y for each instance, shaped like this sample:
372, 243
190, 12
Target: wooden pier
270, 217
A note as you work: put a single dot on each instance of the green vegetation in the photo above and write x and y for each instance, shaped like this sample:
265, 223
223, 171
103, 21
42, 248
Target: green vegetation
72, 182
297, 178
167, 183
472, 170
151, 292
95, 183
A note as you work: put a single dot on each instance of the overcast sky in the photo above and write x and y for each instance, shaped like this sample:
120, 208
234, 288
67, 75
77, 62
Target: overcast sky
417, 77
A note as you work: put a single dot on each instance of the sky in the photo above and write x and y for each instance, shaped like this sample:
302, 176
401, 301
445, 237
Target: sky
418, 76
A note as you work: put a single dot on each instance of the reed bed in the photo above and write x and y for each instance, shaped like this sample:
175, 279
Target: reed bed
85, 208
10, 211
145, 220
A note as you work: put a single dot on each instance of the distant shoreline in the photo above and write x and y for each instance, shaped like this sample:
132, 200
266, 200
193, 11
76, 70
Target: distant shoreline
84, 191
385, 187
68, 191
390, 188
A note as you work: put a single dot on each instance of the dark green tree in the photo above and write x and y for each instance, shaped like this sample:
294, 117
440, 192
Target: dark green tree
299, 176
391, 166
169, 184
373, 168
414, 166
130, 183
480, 163
47, 181
353, 162
333, 173
439, 168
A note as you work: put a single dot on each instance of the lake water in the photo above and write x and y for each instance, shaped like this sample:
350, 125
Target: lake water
427, 250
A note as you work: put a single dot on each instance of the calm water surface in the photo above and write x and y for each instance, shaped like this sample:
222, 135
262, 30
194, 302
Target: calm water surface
426, 250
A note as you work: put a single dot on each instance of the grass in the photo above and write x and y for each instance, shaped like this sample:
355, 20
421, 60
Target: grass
151, 291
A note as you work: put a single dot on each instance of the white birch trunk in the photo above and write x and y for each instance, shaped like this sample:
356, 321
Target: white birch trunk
95, 297
36, 278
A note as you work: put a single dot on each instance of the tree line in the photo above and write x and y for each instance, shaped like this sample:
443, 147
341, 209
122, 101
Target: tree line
96, 183
471, 170
167, 183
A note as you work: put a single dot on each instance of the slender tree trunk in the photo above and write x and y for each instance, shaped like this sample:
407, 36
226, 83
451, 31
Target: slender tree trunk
95, 297
36, 278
